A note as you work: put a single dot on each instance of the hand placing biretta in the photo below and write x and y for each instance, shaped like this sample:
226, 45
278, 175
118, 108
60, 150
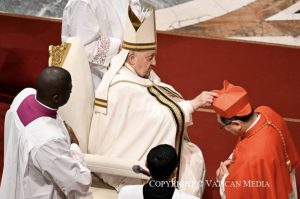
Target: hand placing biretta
232, 101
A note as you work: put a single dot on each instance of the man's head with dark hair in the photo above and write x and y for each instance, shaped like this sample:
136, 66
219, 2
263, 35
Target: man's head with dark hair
162, 161
234, 112
54, 86
237, 124
227, 121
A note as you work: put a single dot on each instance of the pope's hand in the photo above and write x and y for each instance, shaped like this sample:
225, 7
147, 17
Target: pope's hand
203, 100
72, 135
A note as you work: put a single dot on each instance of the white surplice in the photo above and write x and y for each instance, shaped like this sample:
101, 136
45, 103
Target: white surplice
136, 192
39, 162
136, 122
100, 26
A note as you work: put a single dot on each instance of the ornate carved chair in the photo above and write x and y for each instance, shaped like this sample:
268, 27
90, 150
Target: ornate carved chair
78, 113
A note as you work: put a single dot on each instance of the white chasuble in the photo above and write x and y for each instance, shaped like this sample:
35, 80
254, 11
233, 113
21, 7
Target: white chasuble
141, 115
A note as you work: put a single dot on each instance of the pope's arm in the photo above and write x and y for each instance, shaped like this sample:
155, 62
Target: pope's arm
55, 162
204, 99
187, 109
79, 19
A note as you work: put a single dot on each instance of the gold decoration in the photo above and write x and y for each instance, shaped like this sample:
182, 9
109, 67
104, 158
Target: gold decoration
284, 146
287, 159
170, 93
100, 102
289, 166
160, 94
134, 19
162, 97
58, 54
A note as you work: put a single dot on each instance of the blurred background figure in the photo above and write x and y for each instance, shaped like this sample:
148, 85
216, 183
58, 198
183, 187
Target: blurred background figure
100, 26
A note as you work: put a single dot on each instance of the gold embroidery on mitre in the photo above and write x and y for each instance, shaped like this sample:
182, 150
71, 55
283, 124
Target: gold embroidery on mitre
58, 54
134, 19
139, 46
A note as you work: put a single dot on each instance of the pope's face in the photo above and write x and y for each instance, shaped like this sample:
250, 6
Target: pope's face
143, 61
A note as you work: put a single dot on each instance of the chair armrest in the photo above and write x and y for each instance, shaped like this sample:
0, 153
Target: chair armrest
114, 166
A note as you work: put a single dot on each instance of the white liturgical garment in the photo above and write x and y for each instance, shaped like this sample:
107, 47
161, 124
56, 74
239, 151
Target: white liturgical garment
136, 192
100, 26
39, 161
141, 115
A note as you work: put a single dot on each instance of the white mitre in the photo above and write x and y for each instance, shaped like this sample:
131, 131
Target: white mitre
139, 35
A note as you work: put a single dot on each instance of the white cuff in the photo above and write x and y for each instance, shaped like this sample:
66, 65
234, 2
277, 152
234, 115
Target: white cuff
187, 109
76, 154
113, 49
75, 147
294, 194
222, 186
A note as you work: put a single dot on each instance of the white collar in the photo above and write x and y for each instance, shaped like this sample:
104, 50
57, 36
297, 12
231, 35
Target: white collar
45, 105
256, 120
130, 68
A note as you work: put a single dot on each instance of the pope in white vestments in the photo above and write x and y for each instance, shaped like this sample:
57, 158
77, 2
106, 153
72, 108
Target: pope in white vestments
100, 26
40, 159
134, 111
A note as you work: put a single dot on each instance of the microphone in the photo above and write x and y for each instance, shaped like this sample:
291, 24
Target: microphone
139, 169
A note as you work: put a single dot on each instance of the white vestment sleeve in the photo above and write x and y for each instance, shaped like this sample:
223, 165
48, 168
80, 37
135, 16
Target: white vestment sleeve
122, 194
80, 20
185, 105
187, 109
223, 181
7, 127
222, 186
76, 154
55, 163
294, 194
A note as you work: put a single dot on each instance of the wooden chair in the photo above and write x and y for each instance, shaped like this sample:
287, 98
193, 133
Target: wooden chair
78, 113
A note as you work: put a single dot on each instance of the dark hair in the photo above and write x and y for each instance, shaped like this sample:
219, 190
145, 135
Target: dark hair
52, 79
162, 161
246, 118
